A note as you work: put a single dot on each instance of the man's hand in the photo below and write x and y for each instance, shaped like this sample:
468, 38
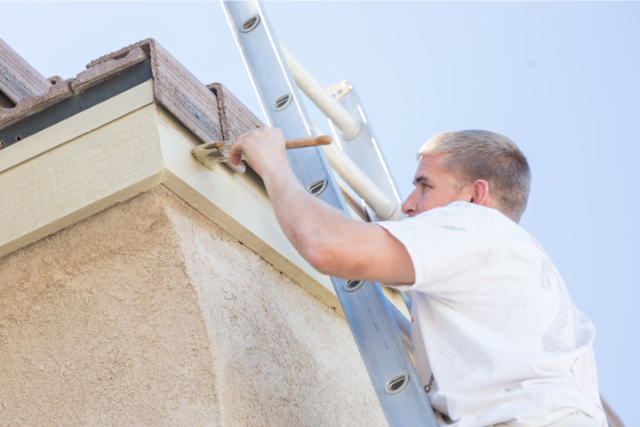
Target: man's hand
263, 147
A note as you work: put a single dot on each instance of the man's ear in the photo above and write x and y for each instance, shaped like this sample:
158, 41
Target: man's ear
480, 192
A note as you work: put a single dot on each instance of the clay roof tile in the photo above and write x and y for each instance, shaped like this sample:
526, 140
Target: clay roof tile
18, 79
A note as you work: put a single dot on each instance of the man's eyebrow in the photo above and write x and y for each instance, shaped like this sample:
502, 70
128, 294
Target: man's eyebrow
421, 180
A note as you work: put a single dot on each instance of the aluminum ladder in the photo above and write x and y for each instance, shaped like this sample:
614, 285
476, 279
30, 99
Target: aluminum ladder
384, 350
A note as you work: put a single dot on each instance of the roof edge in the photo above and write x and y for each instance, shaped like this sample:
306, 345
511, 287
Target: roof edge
177, 89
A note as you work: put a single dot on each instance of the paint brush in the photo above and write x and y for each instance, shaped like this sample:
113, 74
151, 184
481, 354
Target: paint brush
215, 153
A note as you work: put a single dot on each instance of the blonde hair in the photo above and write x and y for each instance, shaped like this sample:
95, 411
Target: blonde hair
481, 154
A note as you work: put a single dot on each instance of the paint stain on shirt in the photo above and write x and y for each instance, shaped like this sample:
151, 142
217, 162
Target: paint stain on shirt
451, 227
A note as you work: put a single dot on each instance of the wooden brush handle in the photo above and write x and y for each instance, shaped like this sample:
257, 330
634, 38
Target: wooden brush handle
308, 142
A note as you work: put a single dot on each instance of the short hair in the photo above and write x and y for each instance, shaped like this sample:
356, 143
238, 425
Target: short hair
481, 154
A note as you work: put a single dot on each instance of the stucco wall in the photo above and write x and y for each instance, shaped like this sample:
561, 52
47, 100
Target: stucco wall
149, 314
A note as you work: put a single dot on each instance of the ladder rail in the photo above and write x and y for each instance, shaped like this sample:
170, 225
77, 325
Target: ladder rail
375, 331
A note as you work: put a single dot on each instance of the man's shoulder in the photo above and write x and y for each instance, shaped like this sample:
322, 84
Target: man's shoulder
455, 216
461, 210
482, 219
461, 218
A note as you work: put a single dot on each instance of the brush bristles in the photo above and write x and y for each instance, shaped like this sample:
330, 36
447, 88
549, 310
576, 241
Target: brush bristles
212, 157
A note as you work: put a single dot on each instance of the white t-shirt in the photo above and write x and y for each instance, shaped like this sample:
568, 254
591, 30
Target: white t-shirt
496, 336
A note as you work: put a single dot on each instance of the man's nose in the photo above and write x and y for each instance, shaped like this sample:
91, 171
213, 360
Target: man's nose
409, 205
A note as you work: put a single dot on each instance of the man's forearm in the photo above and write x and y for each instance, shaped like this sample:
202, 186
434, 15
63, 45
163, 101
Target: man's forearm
306, 221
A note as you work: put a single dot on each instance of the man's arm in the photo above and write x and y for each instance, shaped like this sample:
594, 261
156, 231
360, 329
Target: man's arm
330, 241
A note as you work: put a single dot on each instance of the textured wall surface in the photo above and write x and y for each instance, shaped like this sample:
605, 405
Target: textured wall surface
148, 314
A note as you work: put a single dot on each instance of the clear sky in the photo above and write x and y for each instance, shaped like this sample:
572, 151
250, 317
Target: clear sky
561, 79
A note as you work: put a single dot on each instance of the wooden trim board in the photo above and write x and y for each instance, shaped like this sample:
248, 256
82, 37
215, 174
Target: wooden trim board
77, 125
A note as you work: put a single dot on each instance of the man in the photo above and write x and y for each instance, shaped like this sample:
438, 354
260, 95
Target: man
497, 339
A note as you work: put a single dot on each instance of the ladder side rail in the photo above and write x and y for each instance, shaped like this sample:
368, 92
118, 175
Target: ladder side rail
365, 307
405, 328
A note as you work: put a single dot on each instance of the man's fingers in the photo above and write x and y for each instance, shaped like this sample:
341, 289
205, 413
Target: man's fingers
235, 155
265, 144
279, 132
241, 137
252, 133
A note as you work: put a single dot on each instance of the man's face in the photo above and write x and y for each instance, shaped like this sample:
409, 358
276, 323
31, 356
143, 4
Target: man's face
434, 187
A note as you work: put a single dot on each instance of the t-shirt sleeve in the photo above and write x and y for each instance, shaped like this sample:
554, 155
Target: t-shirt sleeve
448, 250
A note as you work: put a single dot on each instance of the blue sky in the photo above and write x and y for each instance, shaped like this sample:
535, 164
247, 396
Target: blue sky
560, 79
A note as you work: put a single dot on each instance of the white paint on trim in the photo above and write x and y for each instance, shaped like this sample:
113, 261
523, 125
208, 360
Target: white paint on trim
77, 125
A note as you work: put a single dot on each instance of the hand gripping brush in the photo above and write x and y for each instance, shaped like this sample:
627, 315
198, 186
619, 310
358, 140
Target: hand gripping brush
215, 153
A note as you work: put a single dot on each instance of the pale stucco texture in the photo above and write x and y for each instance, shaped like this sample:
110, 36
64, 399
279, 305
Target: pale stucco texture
148, 314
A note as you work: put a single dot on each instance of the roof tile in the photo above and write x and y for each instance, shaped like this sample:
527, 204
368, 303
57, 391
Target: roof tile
18, 79
104, 70
235, 118
34, 104
190, 101
178, 90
